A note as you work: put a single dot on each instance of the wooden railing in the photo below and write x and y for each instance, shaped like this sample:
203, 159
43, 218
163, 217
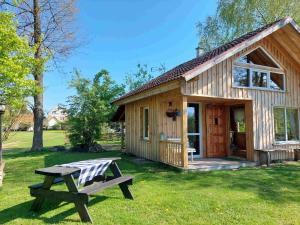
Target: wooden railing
170, 152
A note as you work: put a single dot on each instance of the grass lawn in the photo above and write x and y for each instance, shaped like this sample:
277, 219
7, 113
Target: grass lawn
162, 195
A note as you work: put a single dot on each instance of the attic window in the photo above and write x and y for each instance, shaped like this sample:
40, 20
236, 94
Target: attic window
258, 70
258, 57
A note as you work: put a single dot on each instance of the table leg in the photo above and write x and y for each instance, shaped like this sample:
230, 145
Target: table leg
80, 206
123, 186
38, 202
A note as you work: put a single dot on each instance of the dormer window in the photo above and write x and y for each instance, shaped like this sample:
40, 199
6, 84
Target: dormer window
258, 70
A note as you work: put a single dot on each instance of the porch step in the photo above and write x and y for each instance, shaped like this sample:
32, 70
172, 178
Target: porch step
219, 164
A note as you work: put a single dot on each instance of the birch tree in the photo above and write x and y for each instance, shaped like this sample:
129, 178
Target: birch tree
234, 18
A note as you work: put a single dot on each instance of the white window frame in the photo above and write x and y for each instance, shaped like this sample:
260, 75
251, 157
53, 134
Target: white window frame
144, 124
285, 126
200, 134
252, 68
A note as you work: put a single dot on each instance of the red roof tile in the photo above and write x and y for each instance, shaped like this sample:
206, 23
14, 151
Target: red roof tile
179, 71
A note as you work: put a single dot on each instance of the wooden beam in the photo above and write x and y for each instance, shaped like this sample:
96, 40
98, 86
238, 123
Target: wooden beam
249, 130
154, 91
184, 140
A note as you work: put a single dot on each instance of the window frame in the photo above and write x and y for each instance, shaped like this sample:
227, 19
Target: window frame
259, 68
147, 138
285, 125
251, 70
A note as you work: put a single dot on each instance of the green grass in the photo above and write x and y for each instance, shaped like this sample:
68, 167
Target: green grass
162, 195
23, 139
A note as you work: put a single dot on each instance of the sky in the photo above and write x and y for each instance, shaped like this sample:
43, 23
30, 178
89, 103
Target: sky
116, 35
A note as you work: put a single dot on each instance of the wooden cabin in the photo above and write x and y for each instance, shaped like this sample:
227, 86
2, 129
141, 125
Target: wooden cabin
242, 96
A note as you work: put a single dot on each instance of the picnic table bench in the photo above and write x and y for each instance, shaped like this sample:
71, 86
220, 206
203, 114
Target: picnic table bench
59, 174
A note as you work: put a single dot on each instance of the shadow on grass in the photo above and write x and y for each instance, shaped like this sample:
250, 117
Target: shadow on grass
277, 184
23, 211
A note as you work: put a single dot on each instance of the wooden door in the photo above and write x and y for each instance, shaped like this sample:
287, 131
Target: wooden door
216, 127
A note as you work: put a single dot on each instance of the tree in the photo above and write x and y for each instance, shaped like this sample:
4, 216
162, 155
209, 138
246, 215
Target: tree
16, 64
234, 18
142, 76
91, 107
48, 24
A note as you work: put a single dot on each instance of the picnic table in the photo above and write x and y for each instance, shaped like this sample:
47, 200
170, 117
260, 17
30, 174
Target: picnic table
61, 174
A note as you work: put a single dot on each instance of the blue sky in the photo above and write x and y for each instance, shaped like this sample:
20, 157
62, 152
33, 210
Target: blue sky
119, 34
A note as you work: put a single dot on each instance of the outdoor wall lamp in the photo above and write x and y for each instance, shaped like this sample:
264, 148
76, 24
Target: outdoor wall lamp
2, 110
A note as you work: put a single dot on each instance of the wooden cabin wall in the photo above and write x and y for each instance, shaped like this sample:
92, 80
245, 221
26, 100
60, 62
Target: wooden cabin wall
158, 123
217, 81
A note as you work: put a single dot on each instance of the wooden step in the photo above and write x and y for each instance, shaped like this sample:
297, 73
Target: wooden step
98, 186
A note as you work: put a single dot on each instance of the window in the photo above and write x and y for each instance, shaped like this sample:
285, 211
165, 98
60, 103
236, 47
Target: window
259, 79
241, 77
276, 81
145, 123
286, 121
258, 70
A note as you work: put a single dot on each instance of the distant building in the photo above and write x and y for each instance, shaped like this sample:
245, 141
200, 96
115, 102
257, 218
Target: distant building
56, 116
24, 122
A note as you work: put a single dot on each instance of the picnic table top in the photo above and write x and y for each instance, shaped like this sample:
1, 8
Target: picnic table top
59, 171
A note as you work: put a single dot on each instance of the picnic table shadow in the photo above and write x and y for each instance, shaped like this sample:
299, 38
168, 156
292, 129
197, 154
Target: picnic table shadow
22, 210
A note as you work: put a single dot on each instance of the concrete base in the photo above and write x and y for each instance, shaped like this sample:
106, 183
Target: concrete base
209, 164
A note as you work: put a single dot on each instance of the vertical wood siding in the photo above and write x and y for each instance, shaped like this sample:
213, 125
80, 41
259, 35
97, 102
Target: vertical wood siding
217, 81
154, 149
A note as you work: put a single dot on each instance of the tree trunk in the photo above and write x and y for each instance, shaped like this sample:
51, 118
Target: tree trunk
38, 113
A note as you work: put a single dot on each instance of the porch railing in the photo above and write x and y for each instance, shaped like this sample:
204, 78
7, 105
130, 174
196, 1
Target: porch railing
170, 152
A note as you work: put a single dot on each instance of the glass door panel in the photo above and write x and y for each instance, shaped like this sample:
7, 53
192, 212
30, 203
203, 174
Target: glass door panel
193, 127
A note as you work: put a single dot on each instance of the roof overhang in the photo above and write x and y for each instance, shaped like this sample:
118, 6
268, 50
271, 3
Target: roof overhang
232, 51
150, 92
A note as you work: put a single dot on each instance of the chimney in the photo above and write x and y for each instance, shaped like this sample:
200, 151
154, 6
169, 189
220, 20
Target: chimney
199, 51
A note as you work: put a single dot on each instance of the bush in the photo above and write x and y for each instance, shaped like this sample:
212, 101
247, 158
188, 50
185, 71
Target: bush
90, 108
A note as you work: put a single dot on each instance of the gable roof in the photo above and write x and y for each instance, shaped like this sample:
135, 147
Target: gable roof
194, 67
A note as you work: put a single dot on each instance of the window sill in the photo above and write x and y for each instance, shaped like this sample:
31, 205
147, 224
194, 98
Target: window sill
258, 88
287, 143
145, 139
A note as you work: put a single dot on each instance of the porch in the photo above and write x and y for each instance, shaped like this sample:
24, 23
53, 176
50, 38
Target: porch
205, 134
208, 164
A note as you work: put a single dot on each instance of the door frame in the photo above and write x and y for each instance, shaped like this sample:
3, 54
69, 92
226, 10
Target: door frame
200, 134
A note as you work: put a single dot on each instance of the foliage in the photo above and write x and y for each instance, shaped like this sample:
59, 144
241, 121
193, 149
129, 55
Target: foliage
141, 76
234, 18
16, 62
91, 107
49, 26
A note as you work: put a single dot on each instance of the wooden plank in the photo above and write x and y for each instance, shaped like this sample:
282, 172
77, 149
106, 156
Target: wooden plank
57, 171
57, 180
99, 186
184, 140
38, 202
60, 195
80, 206
151, 92
249, 130
123, 186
